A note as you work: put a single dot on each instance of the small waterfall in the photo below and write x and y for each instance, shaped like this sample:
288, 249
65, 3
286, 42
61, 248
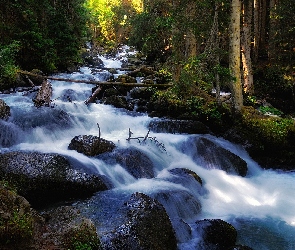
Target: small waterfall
260, 205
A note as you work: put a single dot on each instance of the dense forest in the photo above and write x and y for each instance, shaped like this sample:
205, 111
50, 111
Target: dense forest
245, 47
199, 155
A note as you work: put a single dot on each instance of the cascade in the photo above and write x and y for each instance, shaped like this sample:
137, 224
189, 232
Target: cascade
260, 205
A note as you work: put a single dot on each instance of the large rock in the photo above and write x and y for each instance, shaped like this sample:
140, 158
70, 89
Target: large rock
146, 226
46, 178
66, 228
4, 110
178, 126
22, 227
91, 145
10, 134
44, 94
133, 160
208, 154
216, 234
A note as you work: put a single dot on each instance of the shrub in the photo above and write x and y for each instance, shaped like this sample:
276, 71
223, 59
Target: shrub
8, 68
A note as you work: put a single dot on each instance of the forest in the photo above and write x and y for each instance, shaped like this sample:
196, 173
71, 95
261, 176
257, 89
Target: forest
246, 48
147, 124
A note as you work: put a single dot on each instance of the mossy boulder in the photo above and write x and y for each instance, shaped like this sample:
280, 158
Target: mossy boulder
47, 178
117, 102
269, 140
67, 228
147, 226
4, 110
91, 145
16, 220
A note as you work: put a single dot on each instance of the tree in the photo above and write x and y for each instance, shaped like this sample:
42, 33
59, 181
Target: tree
246, 47
234, 55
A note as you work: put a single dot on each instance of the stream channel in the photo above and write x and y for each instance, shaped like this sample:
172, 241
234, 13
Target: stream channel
261, 205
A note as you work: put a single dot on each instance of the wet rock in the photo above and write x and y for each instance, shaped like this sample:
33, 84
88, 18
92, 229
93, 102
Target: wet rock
4, 110
44, 179
117, 102
22, 227
186, 172
212, 156
146, 226
91, 145
178, 126
178, 198
133, 160
10, 134
49, 118
216, 234
44, 94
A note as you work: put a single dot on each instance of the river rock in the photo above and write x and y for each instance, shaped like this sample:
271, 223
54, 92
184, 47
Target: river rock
212, 156
178, 126
44, 94
4, 110
10, 134
66, 228
47, 178
22, 227
91, 145
137, 163
216, 234
146, 226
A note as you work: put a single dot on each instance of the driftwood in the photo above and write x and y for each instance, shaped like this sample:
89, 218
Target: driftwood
93, 96
44, 94
98, 82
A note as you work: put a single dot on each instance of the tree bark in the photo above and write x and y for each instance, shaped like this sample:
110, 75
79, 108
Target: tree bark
246, 48
235, 55
272, 53
257, 24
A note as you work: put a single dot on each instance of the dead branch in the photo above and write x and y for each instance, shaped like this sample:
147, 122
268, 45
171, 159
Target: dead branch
93, 96
98, 82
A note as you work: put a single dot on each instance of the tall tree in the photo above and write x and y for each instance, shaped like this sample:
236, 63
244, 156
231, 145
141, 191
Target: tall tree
248, 83
234, 55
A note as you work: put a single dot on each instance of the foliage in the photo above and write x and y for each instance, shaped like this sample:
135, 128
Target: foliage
270, 79
83, 237
49, 33
16, 225
270, 110
272, 131
109, 19
151, 32
8, 68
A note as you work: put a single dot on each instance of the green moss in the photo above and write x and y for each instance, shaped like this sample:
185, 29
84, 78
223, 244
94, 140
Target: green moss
83, 237
16, 220
273, 130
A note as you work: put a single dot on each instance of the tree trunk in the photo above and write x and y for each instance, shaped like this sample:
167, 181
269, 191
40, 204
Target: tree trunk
234, 55
246, 48
272, 53
256, 29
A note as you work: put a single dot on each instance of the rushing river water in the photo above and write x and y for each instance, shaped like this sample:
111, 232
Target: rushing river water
261, 205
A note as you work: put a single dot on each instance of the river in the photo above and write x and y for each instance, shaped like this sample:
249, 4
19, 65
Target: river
260, 205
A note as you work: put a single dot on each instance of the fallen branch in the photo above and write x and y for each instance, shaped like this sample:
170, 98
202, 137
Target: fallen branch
93, 96
97, 82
